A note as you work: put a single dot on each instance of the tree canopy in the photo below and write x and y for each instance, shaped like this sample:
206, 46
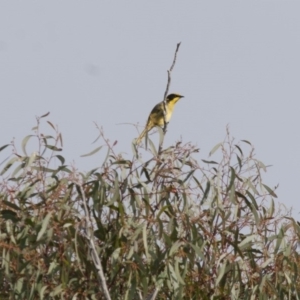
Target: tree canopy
172, 227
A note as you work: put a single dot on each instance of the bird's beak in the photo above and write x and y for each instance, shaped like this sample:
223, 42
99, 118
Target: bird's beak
181, 96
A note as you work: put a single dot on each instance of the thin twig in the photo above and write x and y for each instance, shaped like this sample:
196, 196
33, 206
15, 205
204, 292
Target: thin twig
153, 295
90, 237
166, 94
170, 71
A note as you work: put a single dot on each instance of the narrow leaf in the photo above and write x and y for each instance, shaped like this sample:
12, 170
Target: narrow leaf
270, 191
9, 164
60, 139
45, 115
51, 124
214, 149
206, 192
31, 159
24, 143
145, 240
133, 148
246, 240
239, 149
10, 204
3, 147
209, 161
44, 226
53, 148
91, 153
152, 146
232, 177
61, 158
188, 176
8, 214
245, 141
221, 272
161, 135
177, 272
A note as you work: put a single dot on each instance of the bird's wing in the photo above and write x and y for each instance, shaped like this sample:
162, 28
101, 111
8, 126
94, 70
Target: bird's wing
158, 111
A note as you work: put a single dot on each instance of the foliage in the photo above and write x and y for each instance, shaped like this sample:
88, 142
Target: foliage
174, 225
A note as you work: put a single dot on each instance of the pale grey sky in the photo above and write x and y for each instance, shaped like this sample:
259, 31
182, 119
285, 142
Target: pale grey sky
101, 61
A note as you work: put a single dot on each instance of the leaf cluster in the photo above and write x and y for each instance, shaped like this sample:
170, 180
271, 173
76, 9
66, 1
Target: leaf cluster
173, 225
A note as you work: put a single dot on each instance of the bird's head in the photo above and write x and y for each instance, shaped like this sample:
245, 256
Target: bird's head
174, 98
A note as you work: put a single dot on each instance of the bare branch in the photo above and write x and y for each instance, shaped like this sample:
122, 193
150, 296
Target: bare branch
166, 93
170, 71
90, 237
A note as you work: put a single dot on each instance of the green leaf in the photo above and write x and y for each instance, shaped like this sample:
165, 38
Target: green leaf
198, 251
239, 161
232, 195
245, 141
261, 165
221, 272
270, 191
145, 241
61, 158
51, 124
209, 161
177, 272
252, 199
123, 162
53, 148
106, 157
57, 290
246, 240
239, 149
152, 146
161, 135
252, 187
241, 196
92, 152
3, 147
279, 240
232, 177
206, 192
214, 149
24, 143
42, 291
8, 214
174, 247
44, 226
60, 139
288, 278
116, 254
44, 169
267, 262
9, 164
10, 204
16, 170
45, 115
173, 276
31, 159
189, 175
133, 148
198, 183
271, 209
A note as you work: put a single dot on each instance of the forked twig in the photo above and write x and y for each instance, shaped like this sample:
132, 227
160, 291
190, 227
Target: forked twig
166, 94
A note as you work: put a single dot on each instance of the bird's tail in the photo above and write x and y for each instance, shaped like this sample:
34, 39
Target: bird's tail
138, 140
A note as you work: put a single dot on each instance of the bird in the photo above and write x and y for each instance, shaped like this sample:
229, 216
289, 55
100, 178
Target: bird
156, 117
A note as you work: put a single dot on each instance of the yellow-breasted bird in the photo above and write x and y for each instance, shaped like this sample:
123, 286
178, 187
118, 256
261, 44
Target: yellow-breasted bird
156, 117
